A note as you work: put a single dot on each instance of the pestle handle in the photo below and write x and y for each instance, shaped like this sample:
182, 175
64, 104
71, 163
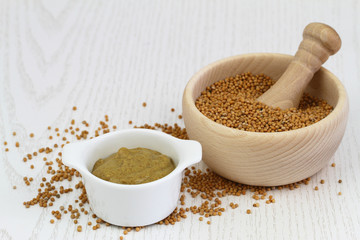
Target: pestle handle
319, 42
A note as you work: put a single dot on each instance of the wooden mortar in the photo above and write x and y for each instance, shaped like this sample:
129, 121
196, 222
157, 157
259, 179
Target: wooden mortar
266, 159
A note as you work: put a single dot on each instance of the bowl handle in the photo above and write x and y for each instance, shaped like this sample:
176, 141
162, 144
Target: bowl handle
73, 155
191, 153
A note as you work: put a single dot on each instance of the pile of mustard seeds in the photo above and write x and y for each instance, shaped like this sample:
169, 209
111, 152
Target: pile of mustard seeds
206, 186
232, 102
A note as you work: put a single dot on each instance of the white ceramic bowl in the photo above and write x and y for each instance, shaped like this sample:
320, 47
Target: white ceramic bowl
132, 205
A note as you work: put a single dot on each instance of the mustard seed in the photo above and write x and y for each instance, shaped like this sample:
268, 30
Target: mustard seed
144, 104
79, 228
322, 181
340, 181
14, 133
74, 108
198, 183
31, 135
339, 193
333, 165
316, 188
52, 221
5, 143
248, 211
232, 103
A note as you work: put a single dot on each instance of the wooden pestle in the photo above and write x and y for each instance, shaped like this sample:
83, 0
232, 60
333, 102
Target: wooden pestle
319, 42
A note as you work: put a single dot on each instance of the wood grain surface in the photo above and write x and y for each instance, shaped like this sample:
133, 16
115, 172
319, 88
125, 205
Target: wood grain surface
107, 57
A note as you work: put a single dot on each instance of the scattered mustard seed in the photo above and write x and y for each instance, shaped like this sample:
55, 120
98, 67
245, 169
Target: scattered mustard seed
144, 104
333, 164
74, 108
322, 181
340, 181
316, 188
14, 133
173, 109
248, 211
31, 135
205, 184
17, 144
339, 193
52, 221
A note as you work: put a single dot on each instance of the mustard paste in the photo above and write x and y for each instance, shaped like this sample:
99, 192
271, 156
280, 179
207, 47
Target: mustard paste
133, 166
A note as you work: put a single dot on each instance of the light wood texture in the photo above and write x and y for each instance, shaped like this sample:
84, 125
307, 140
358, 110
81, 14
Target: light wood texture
107, 57
320, 41
265, 159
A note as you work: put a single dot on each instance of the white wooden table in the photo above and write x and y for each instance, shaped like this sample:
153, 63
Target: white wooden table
107, 57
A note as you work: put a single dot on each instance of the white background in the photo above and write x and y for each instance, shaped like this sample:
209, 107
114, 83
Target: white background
107, 57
